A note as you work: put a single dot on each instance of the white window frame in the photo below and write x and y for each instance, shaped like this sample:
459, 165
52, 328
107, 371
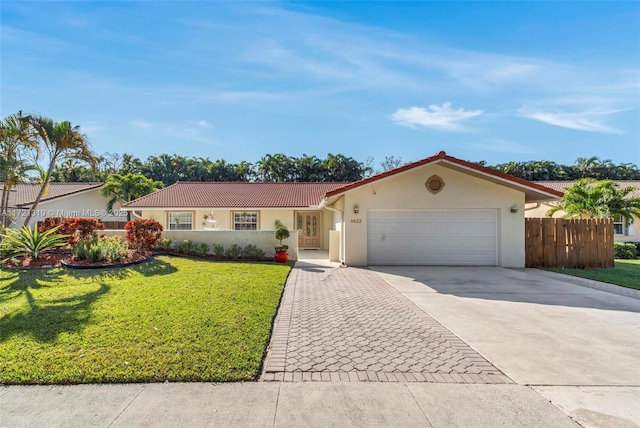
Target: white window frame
618, 220
247, 219
171, 224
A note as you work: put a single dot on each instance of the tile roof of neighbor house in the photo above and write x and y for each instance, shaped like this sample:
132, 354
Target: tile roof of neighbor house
443, 157
235, 195
561, 185
23, 195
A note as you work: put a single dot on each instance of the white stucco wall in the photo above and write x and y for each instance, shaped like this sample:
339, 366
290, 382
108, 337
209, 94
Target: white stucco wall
264, 240
85, 204
461, 191
266, 219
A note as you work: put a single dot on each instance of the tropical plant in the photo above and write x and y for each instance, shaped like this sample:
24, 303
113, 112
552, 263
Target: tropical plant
76, 228
29, 242
218, 250
251, 252
15, 143
142, 234
125, 188
588, 198
233, 252
165, 244
201, 249
61, 141
185, 247
111, 248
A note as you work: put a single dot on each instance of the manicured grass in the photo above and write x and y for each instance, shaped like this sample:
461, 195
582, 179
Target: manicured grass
626, 273
169, 319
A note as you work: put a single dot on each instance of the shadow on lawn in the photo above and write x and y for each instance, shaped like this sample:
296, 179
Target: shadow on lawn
45, 319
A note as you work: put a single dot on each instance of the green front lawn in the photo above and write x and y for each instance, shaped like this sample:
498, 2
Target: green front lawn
170, 319
626, 273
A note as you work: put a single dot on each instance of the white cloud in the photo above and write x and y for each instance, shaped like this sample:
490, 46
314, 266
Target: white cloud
503, 146
442, 118
188, 130
141, 124
590, 120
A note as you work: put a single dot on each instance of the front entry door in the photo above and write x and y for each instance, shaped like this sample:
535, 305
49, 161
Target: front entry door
309, 230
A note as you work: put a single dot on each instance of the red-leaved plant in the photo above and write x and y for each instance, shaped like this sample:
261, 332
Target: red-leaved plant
78, 228
143, 233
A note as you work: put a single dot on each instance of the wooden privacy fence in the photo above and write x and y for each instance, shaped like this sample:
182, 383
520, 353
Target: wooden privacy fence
572, 243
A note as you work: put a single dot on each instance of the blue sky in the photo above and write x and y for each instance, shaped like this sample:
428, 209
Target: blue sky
494, 81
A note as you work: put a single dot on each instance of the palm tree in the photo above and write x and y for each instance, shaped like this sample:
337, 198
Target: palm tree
588, 198
61, 141
15, 141
126, 188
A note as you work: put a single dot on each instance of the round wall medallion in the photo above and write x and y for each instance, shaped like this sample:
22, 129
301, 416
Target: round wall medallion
434, 184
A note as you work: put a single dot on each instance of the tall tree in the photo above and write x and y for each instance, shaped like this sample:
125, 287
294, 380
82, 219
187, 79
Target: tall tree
60, 141
126, 188
15, 141
588, 198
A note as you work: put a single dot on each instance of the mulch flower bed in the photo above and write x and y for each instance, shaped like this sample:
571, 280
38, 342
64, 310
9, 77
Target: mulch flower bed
67, 258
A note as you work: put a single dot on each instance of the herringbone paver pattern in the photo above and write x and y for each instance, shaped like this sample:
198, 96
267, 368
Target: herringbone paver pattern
348, 324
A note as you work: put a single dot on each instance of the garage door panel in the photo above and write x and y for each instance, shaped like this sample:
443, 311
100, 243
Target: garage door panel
436, 237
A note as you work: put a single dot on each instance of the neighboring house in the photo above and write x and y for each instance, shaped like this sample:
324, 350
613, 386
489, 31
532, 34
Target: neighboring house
437, 211
61, 200
622, 231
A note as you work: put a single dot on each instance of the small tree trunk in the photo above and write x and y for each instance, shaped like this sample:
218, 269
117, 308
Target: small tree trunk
45, 183
4, 206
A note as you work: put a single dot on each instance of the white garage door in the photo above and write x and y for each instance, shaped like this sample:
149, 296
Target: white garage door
434, 237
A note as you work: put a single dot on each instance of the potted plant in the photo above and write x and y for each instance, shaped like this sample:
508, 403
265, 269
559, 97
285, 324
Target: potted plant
281, 255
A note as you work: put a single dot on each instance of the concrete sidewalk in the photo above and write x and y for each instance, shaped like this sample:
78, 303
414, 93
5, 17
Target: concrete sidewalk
303, 404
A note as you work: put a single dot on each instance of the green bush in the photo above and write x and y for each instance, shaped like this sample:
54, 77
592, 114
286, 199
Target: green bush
218, 250
252, 252
201, 249
625, 250
111, 249
115, 248
185, 247
164, 244
30, 242
233, 252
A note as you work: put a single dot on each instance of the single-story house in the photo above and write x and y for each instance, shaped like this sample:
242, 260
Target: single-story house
622, 231
437, 211
62, 200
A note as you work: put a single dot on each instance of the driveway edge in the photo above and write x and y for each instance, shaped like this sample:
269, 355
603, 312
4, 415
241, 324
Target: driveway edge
589, 283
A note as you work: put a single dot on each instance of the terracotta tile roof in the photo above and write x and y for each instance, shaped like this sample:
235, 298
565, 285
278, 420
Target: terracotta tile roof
235, 195
23, 195
443, 157
561, 185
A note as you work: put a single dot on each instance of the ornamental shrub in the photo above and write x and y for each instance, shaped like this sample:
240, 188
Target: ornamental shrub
625, 250
165, 244
112, 249
218, 250
233, 252
185, 247
251, 252
29, 242
201, 249
143, 233
77, 228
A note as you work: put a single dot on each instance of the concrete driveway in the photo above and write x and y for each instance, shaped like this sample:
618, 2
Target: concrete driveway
576, 346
